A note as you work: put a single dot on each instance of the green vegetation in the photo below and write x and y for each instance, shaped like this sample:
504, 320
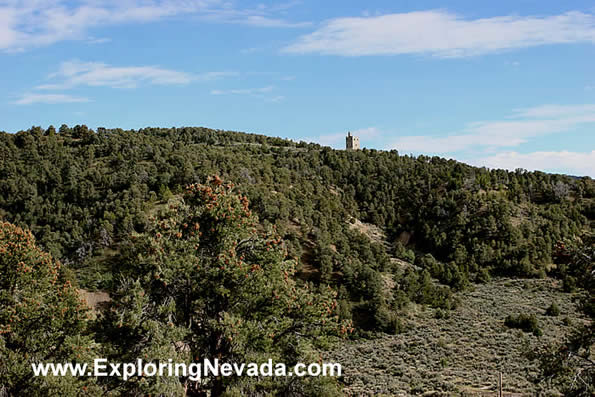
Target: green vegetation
472, 341
525, 322
203, 277
553, 310
386, 232
42, 319
83, 192
570, 366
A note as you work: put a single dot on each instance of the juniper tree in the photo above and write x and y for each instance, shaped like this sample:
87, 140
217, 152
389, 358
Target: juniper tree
203, 282
42, 320
569, 365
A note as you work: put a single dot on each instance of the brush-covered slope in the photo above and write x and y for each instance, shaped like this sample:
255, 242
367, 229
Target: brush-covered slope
82, 193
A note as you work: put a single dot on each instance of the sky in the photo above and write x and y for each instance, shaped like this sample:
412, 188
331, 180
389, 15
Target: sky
507, 84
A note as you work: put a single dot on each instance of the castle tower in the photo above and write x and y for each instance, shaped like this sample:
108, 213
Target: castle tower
351, 142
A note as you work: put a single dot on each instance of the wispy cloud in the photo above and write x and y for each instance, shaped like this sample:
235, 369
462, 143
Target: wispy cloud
31, 98
250, 50
277, 98
244, 91
73, 74
96, 74
98, 40
263, 93
523, 125
442, 34
575, 163
260, 21
575, 112
27, 23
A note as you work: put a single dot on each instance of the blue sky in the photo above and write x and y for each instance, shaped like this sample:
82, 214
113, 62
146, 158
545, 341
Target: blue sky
508, 84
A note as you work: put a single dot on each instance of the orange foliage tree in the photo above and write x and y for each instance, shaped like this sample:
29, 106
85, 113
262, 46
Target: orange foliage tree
42, 319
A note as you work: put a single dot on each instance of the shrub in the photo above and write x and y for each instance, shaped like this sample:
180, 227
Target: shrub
388, 321
569, 284
409, 256
553, 310
440, 314
483, 276
524, 322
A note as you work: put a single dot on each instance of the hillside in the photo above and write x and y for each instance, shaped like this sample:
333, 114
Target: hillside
399, 238
463, 353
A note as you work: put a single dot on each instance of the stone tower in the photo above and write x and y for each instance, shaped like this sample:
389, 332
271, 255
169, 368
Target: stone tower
351, 142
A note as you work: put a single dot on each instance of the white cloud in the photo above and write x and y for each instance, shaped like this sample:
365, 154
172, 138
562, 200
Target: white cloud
73, 74
516, 130
278, 98
442, 34
558, 111
250, 50
32, 98
266, 22
98, 40
96, 74
244, 91
7, 35
27, 23
263, 93
574, 163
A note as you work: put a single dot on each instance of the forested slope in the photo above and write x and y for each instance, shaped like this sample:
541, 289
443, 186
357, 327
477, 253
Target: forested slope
83, 193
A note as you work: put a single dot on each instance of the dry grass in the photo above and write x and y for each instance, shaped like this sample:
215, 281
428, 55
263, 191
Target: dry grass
373, 232
94, 299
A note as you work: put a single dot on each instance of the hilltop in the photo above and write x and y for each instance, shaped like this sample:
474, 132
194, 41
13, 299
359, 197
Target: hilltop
392, 234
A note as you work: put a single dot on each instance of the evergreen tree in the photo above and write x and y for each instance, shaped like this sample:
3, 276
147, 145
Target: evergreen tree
42, 320
203, 282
